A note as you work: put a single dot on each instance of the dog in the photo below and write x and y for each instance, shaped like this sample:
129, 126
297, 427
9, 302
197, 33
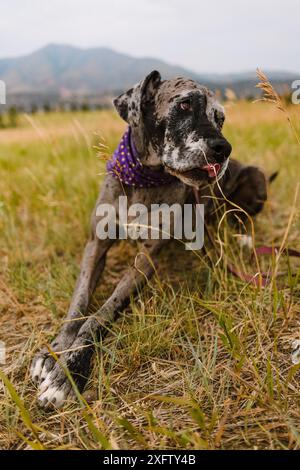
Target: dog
176, 129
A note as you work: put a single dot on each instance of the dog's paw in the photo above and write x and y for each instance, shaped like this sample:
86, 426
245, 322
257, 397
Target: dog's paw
55, 388
54, 391
44, 362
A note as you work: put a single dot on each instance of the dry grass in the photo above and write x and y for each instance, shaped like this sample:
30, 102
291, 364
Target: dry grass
200, 360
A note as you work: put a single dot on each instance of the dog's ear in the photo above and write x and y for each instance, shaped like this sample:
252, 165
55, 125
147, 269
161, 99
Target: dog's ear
149, 87
131, 104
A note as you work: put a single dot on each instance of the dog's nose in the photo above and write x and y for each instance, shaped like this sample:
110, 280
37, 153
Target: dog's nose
221, 147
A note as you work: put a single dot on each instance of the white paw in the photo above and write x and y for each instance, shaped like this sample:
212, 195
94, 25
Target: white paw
53, 383
54, 392
53, 386
54, 396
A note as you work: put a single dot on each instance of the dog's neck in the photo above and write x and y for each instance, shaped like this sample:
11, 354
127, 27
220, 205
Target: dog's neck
126, 166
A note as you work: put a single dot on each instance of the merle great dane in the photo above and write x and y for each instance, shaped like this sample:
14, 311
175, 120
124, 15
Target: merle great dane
176, 127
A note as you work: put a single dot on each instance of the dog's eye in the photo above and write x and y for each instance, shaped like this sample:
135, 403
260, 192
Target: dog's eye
185, 105
219, 118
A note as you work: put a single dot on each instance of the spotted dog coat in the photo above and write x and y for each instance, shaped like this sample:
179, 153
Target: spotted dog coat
176, 127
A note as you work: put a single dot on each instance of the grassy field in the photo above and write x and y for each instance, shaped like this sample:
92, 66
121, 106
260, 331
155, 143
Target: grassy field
200, 360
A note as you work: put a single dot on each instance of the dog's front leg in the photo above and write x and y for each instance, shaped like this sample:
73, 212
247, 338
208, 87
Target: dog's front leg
57, 387
92, 265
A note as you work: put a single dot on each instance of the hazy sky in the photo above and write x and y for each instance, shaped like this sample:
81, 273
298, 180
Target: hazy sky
206, 36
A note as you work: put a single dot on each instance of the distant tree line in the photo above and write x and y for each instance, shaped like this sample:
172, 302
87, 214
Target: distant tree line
48, 107
9, 118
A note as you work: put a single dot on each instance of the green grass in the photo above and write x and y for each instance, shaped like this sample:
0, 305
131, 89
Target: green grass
200, 360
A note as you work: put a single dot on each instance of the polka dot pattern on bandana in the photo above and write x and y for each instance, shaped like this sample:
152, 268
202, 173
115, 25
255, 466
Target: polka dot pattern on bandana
126, 166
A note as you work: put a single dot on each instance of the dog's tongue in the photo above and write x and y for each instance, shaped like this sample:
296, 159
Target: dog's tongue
212, 170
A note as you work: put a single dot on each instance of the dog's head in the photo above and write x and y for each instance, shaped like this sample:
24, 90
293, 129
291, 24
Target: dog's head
178, 124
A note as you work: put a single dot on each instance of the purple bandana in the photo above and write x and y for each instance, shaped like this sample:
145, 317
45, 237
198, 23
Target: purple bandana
127, 167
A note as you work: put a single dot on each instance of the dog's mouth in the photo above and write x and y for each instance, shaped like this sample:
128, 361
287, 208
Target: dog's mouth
212, 170
209, 173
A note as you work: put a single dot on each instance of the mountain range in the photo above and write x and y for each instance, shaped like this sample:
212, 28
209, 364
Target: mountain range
64, 71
